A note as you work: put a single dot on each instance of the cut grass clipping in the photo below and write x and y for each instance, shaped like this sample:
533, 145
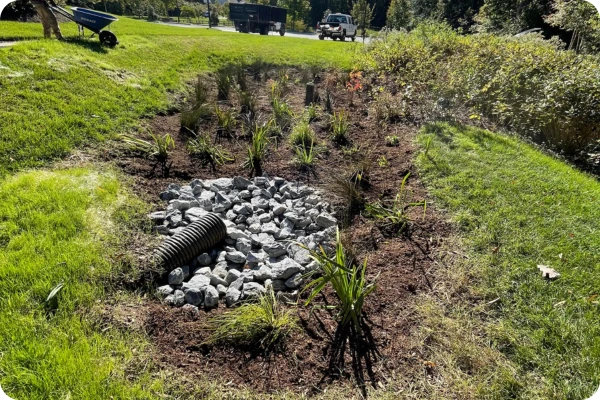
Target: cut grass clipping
264, 324
347, 280
517, 208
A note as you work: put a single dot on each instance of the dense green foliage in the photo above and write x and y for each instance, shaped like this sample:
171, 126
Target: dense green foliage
581, 18
58, 95
517, 208
525, 84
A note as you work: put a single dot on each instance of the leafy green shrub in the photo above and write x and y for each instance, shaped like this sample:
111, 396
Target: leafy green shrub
209, 153
223, 79
263, 324
226, 119
282, 112
305, 156
159, 147
248, 102
257, 151
312, 112
199, 108
347, 280
393, 140
339, 127
530, 87
302, 133
395, 216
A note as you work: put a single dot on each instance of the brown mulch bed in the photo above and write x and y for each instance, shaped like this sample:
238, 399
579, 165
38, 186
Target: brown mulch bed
315, 356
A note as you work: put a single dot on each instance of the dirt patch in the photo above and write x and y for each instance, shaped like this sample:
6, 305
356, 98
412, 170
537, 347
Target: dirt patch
402, 263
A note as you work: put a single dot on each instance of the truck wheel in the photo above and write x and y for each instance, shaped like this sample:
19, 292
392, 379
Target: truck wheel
334, 38
321, 37
353, 38
264, 30
282, 31
343, 38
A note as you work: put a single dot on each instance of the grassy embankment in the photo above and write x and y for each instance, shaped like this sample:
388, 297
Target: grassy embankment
62, 226
515, 208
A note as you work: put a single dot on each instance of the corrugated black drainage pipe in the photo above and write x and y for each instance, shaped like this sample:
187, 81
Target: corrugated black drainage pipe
197, 238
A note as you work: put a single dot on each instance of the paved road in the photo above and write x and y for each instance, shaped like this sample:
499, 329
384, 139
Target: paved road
311, 36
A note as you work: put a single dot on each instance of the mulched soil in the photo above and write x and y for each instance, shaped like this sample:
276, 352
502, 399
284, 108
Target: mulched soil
402, 264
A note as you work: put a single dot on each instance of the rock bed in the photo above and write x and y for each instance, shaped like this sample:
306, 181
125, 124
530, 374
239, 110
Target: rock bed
264, 218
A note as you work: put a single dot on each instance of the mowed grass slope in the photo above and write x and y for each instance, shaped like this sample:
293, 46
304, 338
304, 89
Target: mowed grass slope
517, 208
58, 95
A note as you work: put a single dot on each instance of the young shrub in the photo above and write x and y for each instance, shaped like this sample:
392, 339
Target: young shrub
305, 156
311, 112
282, 113
347, 280
209, 153
258, 148
396, 216
263, 324
223, 79
328, 102
199, 108
302, 133
159, 147
226, 120
383, 162
339, 127
258, 66
248, 102
393, 140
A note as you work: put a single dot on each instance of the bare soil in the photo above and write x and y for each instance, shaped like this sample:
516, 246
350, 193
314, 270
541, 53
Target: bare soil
402, 263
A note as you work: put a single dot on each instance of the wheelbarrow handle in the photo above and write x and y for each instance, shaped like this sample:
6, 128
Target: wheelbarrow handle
62, 11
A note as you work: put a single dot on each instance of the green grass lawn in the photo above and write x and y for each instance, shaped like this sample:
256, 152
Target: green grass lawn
56, 96
517, 208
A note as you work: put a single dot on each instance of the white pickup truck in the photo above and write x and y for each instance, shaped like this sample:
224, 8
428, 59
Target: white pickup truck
337, 26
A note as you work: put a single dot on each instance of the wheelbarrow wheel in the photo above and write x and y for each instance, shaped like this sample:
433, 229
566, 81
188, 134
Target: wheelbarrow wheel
108, 38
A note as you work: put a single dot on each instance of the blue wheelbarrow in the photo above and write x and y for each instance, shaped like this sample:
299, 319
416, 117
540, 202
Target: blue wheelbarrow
92, 20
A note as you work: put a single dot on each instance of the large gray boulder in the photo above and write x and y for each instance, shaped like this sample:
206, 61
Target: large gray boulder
285, 268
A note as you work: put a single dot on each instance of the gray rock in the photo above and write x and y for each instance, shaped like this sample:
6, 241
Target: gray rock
222, 184
254, 228
262, 239
195, 213
269, 228
222, 203
294, 281
177, 299
232, 276
180, 205
312, 267
252, 290
278, 285
325, 220
264, 218
312, 214
176, 277
186, 271
274, 249
278, 181
243, 209
279, 209
268, 284
236, 257
211, 297
286, 298
241, 183
198, 281
202, 271
285, 268
236, 234
243, 245
217, 280
169, 195
259, 202
248, 275
313, 199
255, 257
220, 269
231, 215
191, 309
204, 259
261, 181
245, 194
238, 283
263, 273
222, 290
302, 257
293, 216
165, 290
194, 296
232, 296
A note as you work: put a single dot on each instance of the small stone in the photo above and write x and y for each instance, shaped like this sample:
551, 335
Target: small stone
211, 297
197, 281
224, 184
204, 259
263, 273
268, 284
236, 234
274, 249
217, 280
278, 285
262, 239
220, 269
169, 195
245, 194
294, 281
254, 228
243, 209
176, 277
312, 267
255, 257
231, 215
279, 209
191, 309
195, 213
260, 181
177, 299
264, 218
269, 228
222, 203
180, 205
241, 183
278, 181
243, 245
285, 268
302, 257
232, 296
259, 202
292, 216
236, 257
248, 275
232, 276
287, 298
252, 290
194, 296
325, 220
165, 290
238, 283
222, 290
